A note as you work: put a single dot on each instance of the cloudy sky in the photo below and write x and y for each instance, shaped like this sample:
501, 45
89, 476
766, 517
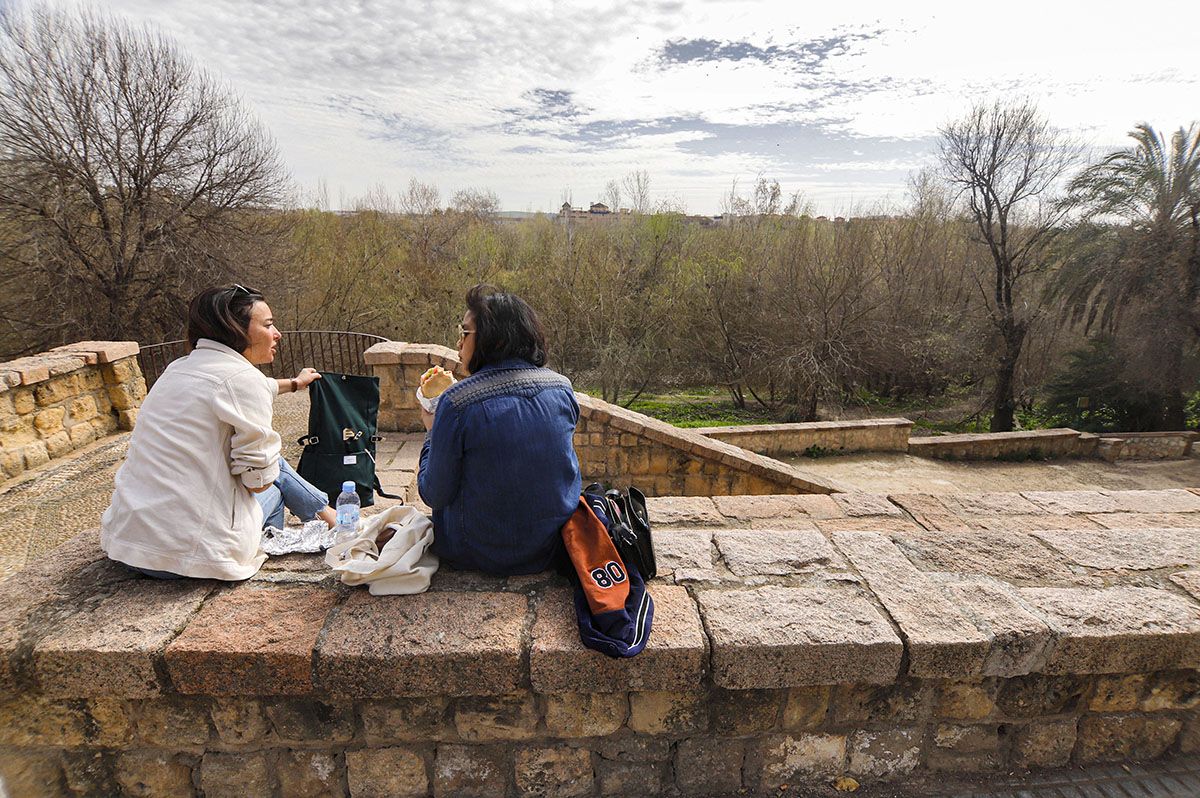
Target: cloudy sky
540, 100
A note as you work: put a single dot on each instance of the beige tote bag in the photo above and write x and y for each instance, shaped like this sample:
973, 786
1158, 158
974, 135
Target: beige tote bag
403, 567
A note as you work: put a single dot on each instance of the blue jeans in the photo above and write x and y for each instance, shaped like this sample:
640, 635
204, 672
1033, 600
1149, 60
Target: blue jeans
291, 491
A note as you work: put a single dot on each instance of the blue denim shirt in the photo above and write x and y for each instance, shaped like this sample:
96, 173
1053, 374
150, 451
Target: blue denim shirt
499, 468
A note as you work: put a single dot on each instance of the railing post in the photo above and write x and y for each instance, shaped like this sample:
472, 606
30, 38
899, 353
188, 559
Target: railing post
399, 367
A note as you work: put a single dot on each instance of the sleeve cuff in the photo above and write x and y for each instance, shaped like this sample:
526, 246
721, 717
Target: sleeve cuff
260, 477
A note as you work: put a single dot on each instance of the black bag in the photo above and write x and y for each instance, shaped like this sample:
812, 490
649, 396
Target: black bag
340, 444
629, 524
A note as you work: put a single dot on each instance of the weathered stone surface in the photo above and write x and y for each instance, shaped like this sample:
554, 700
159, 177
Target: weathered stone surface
1171, 690
668, 713
881, 524
749, 552
558, 771
902, 703
151, 774
407, 719
449, 643
1013, 556
1066, 502
1155, 501
681, 511
988, 504
1118, 693
251, 640
238, 721
386, 773
30, 773
784, 759
782, 637
1189, 581
941, 641
628, 778
88, 772
1117, 630
958, 748
585, 714
27, 719
310, 774
674, 659
1022, 524
305, 720
1036, 695
805, 707
470, 771
864, 504
1017, 640
1110, 738
111, 648
887, 753
705, 765
235, 775
1044, 744
928, 511
774, 508
1147, 520
965, 700
172, 722
676, 549
1127, 549
740, 713
503, 717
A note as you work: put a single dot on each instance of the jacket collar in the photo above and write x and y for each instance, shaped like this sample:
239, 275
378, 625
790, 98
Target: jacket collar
511, 363
217, 346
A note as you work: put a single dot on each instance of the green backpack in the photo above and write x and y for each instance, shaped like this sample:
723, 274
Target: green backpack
340, 444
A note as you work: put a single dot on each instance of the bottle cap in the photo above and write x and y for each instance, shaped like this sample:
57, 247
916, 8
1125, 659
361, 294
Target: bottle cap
348, 486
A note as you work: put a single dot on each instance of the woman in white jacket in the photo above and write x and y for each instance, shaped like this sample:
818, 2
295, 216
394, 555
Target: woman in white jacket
204, 467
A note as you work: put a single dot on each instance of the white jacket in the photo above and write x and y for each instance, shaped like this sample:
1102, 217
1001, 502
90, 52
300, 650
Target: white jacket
203, 435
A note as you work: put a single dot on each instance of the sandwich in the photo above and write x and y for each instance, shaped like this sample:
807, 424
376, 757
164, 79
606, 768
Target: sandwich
435, 381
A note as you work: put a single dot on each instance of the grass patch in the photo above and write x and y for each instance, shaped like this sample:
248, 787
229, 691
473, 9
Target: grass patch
695, 409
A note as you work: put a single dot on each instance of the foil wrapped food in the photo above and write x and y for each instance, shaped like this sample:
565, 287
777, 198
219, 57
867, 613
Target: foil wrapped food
313, 537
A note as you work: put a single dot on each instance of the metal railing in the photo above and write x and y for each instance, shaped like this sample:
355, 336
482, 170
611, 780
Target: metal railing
324, 350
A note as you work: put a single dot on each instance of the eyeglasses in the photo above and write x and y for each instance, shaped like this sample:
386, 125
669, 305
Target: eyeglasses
463, 332
239, 287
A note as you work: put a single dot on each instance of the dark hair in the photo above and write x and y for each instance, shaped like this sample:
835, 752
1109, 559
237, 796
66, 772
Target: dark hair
505, 327
222, 315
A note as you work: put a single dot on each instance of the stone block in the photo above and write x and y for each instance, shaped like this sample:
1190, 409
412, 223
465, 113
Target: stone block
777, 508
1013, 556
1036, 695
1126, 550
49, 421
1145, 520
705, 765
559, 771
23, 401
668, 713
30, 773
885, 753
783, 637
1172, 690
386, 773
988, 504
235, 775
1044, 744
90, 772
104, 351
785, 759
1117, 693
127, 419
470, 771
122, 397
878, 524
633, 748
965, 749
81, 435
1066, 502
251, 640
674, 659
306, 721
312, 774
36, 455
965, 700
903, 703
407, 719
112, 648
1017, 640
866, 504
31, 370
682, 511
940, 639
1115, 738
82, 408
585, 714
929, 511
739, 713
450, 644
805, 707
110, 722
1117, 630
58, 444
752, 552
56, 390
1155, 501
28, 719
12, 462
152, 774
172, 722
682, 549
628, 778
503, 717
238, 721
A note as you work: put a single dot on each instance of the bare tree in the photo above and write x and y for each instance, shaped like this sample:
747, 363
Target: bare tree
1006, 163
128, 178
636, 186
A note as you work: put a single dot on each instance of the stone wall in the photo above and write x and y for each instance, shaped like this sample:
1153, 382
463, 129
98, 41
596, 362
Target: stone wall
58, 401
1146, 445
1031, 444
774, 440
614, 445
797, 639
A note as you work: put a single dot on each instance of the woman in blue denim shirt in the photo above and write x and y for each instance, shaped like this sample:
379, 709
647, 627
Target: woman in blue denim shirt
498, 466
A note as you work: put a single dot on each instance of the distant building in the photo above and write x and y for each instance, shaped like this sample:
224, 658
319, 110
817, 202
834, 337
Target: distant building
597, 210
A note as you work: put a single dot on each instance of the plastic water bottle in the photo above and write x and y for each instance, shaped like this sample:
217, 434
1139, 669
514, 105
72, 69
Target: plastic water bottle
348, 507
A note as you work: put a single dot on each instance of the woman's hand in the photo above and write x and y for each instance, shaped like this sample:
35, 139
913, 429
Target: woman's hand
306, 377
427, 419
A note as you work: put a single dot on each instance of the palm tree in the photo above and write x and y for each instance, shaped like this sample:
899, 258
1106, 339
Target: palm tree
1137, 268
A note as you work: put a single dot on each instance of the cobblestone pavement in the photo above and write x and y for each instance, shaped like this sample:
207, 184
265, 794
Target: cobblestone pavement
1178, 777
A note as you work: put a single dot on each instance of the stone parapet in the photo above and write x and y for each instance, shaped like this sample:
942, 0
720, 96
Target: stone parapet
399, 367
796, 637
1146, 445
775, 440
58, 401
1031, 444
